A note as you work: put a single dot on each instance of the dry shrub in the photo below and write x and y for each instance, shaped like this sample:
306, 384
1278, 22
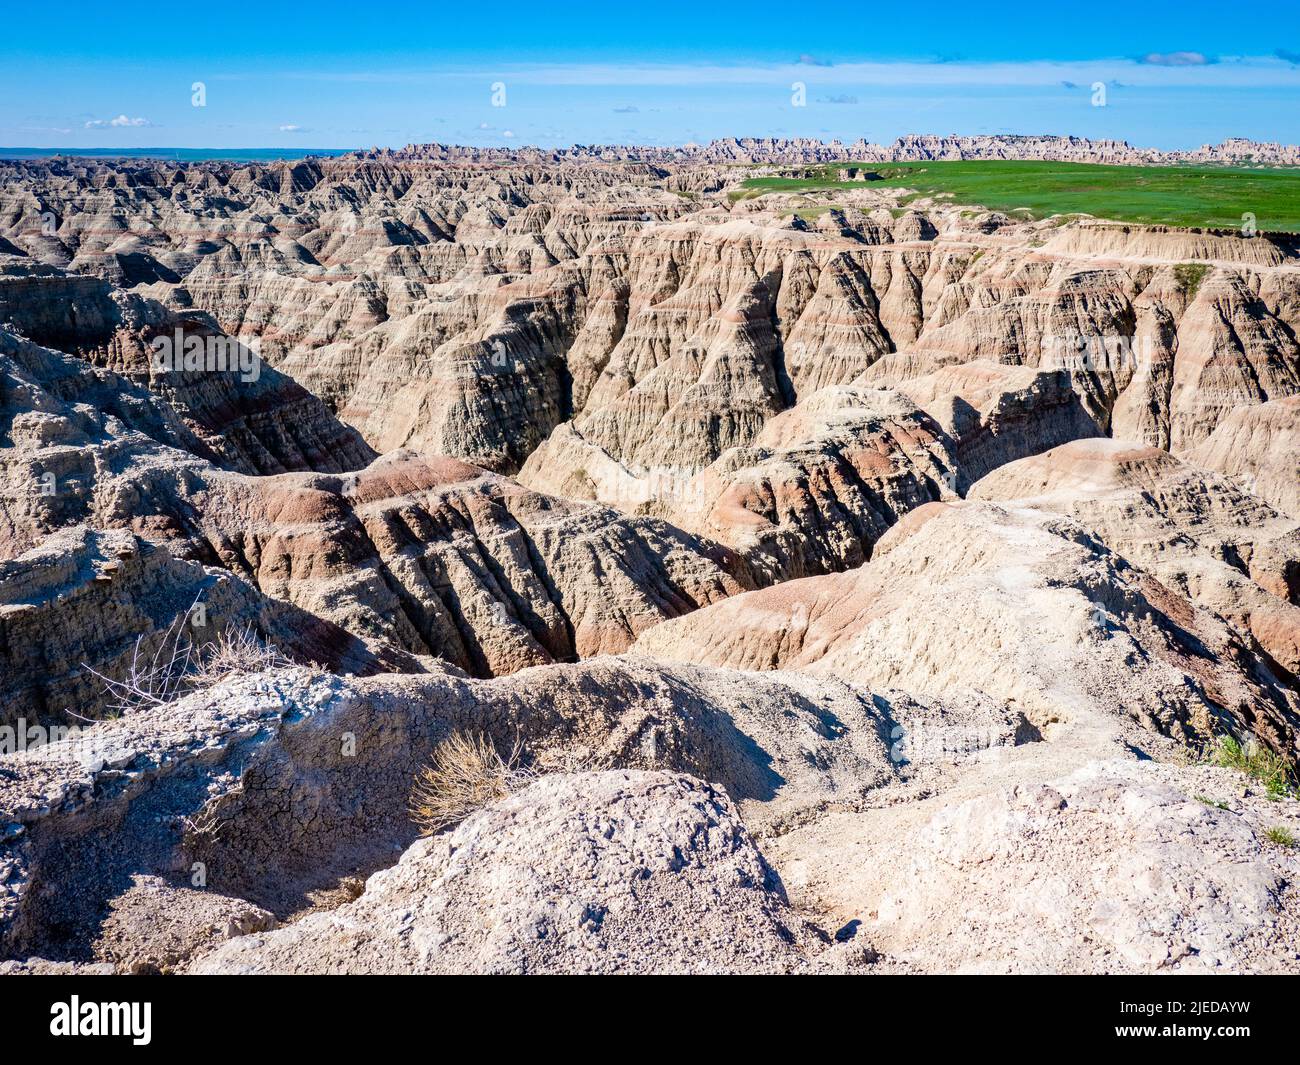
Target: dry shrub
151, 680
179, 666
234, 653
466, 773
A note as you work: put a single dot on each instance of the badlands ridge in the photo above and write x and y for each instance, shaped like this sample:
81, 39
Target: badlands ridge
863, 586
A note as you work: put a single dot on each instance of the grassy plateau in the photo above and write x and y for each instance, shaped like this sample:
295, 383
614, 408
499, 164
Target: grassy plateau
1212, 197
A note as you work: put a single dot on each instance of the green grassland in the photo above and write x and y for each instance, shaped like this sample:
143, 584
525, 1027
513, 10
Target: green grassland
1212, 197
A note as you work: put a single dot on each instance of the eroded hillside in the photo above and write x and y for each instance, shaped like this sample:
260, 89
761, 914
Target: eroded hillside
767, 530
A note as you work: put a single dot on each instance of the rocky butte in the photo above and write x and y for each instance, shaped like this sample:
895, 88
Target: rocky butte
826, 580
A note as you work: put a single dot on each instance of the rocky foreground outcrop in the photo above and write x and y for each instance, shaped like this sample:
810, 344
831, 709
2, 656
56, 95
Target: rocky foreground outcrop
273, 788
1113, 867
180, 839
1120, 845
671, 883
173, 839
642, 872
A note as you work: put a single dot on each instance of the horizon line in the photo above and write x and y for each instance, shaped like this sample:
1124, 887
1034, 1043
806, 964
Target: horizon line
294, 152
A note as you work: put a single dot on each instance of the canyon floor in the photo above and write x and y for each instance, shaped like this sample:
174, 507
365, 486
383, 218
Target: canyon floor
855, 580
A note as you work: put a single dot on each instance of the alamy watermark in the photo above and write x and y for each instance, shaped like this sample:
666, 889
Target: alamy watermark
1098, 352
178, 353
932, 743
133, 1020
20, 736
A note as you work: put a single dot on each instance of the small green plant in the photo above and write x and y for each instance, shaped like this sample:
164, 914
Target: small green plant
1189, 277
1257, 762
1216, 803
1281, 836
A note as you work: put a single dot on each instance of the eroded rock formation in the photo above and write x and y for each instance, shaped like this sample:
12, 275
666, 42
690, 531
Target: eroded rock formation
763, 530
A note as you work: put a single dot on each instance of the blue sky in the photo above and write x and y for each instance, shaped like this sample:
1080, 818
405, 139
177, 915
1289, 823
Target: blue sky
350, 75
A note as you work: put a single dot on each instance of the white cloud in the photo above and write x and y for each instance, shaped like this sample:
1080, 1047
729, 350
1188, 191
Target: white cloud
290, 127
118, 122
1176, 59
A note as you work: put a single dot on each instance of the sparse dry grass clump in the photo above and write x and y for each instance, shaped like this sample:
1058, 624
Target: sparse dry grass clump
151, 679
234, 653
466, 773
1281, 836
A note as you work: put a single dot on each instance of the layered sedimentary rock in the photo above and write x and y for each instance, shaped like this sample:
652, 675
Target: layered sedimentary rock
229, 404
1198, 532
1231, 352
920, 521
1260, 447
438, 557
994, 413
822, 482
601, 316
87, 607
413, 555
1019, 605
427, 555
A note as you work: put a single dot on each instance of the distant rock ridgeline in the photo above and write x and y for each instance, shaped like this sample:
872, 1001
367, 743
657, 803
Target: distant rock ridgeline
911, 148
